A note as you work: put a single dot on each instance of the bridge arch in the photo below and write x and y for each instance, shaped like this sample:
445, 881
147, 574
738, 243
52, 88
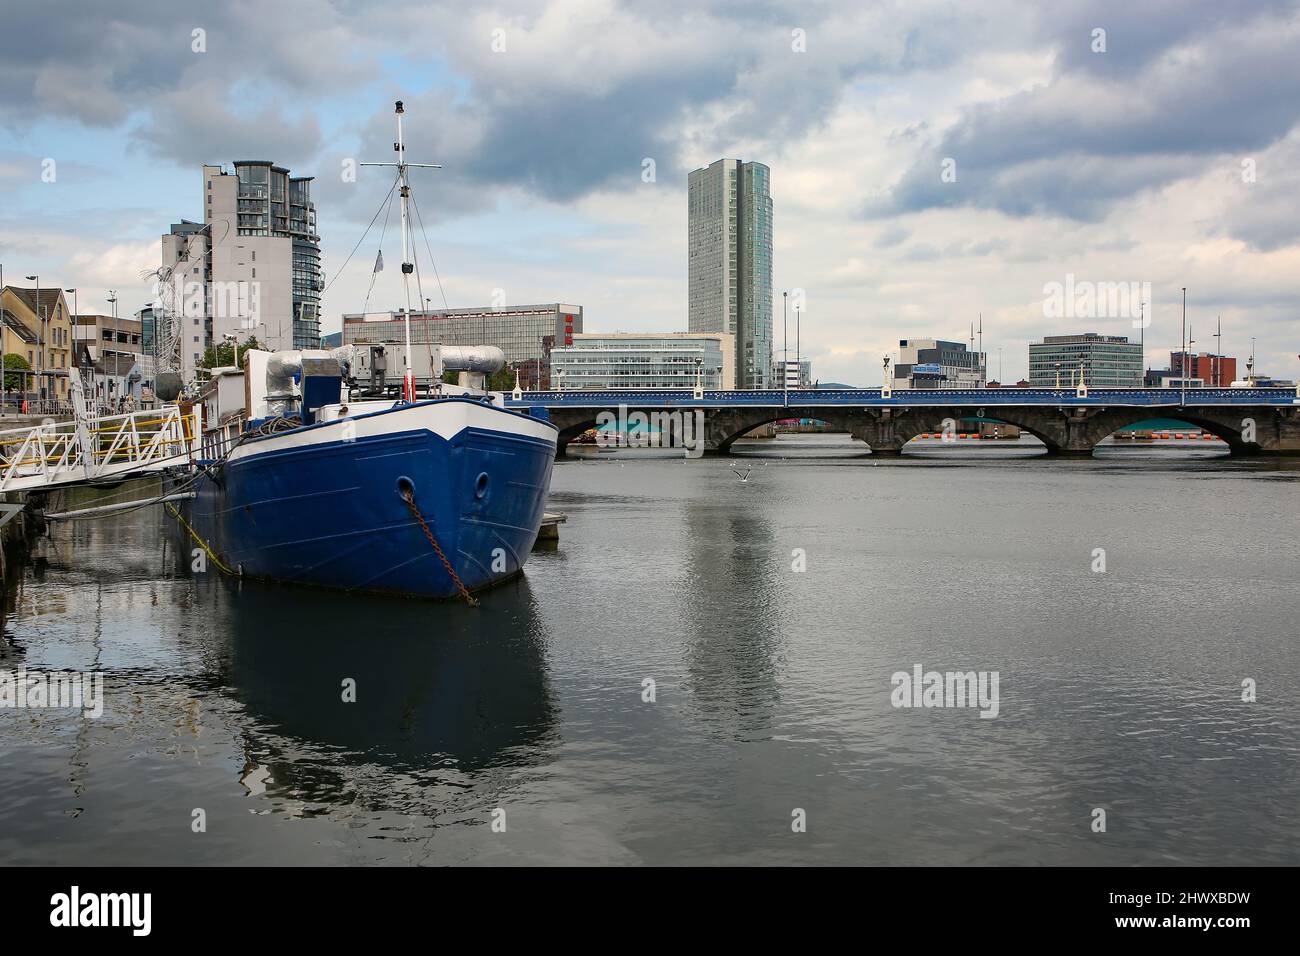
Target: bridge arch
1229, 429
661, 422
1048, 438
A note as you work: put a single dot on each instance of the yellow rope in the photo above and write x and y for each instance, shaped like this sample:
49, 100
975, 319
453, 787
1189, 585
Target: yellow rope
194, 534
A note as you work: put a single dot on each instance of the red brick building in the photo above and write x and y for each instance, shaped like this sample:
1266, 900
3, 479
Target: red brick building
1214, 370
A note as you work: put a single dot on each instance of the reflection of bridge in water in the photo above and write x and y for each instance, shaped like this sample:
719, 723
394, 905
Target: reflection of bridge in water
1069, 421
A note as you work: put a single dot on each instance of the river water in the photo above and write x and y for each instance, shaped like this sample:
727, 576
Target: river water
765, 618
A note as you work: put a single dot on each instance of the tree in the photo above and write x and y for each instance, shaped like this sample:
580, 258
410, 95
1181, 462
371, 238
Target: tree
499, 381
224, 355
15, 382
502, 380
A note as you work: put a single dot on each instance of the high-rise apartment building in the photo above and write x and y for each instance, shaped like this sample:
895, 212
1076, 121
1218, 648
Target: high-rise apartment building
252, 267
729, 262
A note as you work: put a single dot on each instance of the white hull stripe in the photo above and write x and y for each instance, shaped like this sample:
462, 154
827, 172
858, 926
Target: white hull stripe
445, 419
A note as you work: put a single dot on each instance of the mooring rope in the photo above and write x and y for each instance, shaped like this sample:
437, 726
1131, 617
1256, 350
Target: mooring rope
195, 535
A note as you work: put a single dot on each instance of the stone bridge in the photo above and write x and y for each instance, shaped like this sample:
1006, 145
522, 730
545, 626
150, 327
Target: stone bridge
1067, 425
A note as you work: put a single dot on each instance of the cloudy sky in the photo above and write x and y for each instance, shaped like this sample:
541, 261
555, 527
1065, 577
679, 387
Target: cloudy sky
931, 161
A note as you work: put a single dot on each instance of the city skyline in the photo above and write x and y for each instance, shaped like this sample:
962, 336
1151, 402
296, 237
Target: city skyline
1166, 158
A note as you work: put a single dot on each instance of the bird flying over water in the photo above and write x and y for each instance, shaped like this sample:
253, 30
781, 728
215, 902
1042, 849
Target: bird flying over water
745, 476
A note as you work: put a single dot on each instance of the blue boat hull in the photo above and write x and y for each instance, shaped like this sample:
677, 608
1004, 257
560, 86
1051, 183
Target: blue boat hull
331, 512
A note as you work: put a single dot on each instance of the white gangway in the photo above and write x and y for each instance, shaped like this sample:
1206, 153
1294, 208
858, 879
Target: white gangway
89, 450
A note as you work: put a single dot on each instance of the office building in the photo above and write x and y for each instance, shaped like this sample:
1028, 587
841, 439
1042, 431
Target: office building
729, 262
1105, 361
796, 374
645, 360
251, 268
109, 352
148, 319
525, 333
936, 363
1217, 371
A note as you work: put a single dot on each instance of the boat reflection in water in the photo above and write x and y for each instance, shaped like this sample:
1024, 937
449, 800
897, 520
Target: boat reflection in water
385, 703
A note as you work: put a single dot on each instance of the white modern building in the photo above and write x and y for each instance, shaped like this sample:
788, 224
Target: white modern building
251, 268
936, 363
796, 374
729, 262
645, 360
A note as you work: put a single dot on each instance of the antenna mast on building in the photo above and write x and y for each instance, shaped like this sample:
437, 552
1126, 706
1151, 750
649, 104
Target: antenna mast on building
408, 376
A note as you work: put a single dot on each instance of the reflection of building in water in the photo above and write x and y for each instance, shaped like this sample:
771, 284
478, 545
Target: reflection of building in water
432, 704
735, 573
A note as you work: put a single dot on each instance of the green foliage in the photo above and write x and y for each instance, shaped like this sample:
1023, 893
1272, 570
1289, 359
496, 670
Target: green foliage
502, 381
15, 383
224, 356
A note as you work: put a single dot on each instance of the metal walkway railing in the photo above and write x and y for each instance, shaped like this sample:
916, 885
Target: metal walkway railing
89, 449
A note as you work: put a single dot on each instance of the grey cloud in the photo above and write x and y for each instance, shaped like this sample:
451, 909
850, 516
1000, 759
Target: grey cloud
98, 66
891, 236
1088, 140
1138, 33
194, 126
1263, 214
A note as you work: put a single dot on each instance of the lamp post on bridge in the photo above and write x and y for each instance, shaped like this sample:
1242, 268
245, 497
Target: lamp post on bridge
1182, 397
75, 311
798, 355
785, 349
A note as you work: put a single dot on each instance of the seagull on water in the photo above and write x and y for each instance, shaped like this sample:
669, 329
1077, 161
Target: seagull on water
745, 476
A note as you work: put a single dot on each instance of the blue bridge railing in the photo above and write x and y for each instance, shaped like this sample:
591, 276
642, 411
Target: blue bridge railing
1155, 397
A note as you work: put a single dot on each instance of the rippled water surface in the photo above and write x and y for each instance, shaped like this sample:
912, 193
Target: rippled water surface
1118, 690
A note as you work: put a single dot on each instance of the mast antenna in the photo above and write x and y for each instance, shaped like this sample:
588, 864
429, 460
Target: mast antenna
408, 376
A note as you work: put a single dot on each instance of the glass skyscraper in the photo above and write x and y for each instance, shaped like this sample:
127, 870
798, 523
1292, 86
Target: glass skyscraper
729, 262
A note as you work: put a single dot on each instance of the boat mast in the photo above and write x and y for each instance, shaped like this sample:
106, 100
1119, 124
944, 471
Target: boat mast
404, 191
408, 375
